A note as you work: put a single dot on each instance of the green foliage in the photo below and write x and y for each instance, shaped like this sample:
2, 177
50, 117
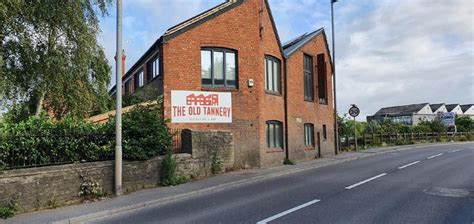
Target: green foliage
288, 162
464, 124
145, 133
168, 169
422, 127
50, 57
90, 189
216, 165
8, 210
40, 140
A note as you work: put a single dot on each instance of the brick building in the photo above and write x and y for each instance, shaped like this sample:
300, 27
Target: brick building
281, 94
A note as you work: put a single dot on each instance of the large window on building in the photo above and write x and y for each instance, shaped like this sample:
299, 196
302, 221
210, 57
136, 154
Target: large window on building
153, 68
272, 74
308, 134
219, 67
322, 79
274, 134
308, 78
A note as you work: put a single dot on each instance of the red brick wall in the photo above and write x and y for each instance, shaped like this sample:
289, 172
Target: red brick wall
301, 111
236, 29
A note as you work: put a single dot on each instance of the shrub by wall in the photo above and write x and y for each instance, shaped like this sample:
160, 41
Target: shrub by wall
42, 141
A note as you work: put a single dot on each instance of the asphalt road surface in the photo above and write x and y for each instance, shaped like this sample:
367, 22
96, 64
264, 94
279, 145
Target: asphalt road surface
433, 184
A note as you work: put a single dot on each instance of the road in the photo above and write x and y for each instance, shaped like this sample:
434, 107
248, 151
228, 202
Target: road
433, 184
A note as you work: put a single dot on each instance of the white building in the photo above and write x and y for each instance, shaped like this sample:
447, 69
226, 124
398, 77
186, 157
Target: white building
456, 108
468, 110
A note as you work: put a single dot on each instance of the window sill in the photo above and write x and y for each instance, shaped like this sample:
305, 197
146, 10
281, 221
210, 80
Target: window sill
273, 93
219, 89
310, 149
274, 150
309, 101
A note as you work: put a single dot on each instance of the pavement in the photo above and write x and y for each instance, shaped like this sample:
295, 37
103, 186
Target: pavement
345, 188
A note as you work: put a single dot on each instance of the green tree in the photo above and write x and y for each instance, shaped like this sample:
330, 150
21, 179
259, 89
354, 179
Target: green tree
50, 57
464, 123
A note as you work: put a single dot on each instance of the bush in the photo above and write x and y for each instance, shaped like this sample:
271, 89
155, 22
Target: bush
39, 140
8, 210
42, 141
145, 133
168, 169
216, 165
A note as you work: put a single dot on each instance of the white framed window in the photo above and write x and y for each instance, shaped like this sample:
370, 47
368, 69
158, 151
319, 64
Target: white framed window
272, 74
274, 134
308, 134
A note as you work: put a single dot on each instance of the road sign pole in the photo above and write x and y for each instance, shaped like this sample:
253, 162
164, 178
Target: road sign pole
355, 134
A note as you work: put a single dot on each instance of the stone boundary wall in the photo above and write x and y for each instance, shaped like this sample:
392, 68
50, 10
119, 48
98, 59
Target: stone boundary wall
43, 187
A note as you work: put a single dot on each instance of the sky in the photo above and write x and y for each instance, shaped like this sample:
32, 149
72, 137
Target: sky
388, 52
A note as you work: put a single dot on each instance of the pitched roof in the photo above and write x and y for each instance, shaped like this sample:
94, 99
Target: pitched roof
400, 110
466, 107
201, 18
450, 107
434, 107
293, 45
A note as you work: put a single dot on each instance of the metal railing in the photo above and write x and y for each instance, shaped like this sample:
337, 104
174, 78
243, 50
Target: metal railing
375, 139
176, 141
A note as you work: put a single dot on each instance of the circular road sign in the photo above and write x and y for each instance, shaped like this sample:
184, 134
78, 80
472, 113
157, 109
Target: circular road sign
354, 111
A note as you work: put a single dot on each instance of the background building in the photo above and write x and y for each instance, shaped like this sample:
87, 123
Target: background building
413, 114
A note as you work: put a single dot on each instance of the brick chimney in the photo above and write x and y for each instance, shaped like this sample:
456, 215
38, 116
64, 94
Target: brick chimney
124, 57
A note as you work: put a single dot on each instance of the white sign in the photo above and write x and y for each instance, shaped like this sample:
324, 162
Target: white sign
201, 107
448, 119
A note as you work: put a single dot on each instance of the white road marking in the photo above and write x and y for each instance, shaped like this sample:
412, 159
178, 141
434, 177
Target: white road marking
269, 219
431, 157
405, 166
457, 150
365, 181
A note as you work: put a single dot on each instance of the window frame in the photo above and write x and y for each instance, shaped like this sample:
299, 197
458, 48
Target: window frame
278, 140
308, 96
322, 79
137, 79
224, 52
278, 82
325, 133
309, 136
153, 68
127, 87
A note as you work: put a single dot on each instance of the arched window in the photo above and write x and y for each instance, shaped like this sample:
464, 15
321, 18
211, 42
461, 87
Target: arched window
274, 134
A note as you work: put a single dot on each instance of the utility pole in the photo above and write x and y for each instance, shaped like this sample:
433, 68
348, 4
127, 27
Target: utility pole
336, 131
118, 115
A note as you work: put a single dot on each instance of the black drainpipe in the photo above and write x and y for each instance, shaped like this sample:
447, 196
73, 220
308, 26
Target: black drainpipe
286, 109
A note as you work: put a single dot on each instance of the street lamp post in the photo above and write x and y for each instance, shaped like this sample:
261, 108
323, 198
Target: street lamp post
336, 131
118, 114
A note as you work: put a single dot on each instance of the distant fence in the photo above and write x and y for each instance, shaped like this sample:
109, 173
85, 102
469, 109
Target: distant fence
366, 140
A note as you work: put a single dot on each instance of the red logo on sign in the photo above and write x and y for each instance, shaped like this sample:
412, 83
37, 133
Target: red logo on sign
201, 100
